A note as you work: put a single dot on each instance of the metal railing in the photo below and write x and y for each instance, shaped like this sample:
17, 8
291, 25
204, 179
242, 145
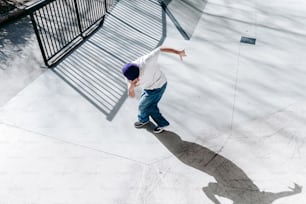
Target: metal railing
60, 25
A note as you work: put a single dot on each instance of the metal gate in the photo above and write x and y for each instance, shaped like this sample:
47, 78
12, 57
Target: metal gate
60, 25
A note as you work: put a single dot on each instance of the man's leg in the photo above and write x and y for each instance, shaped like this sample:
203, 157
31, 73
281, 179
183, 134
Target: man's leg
144, 105
158, 118
155, 113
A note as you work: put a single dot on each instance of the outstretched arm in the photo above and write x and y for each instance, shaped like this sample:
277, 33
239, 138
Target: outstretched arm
181, 53
295, 190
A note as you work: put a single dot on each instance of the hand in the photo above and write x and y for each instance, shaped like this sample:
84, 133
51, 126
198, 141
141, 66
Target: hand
134, 82
131, 93
182, 54
132, 86
296, 189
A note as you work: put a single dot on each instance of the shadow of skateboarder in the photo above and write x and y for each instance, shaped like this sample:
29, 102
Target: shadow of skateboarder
232, 181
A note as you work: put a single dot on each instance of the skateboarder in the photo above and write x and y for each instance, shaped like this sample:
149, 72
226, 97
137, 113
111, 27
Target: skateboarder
145, 72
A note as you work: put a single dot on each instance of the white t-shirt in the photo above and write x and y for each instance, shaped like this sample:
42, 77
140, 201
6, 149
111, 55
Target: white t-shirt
150, 75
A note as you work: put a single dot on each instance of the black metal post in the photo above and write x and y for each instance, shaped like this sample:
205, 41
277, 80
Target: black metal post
39, 39
105, 5
78, 17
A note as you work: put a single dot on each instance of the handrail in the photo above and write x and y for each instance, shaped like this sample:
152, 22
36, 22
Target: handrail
37, 5
61, 25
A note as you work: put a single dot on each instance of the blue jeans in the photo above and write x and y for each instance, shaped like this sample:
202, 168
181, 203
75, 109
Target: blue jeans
148, 106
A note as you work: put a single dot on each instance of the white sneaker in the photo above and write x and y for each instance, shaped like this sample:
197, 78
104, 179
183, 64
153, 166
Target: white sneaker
158, 130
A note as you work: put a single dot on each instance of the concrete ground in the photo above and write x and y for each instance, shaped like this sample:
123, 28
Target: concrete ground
237, 112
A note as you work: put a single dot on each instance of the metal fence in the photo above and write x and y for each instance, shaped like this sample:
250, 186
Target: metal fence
60, 25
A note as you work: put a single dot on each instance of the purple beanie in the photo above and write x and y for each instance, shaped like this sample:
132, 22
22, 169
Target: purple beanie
130, 71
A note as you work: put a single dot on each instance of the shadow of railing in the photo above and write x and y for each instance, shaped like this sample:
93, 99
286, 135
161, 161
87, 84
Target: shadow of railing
132, 29
231, 181
185, 14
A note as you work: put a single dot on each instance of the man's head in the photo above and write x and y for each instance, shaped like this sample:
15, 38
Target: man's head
130, 71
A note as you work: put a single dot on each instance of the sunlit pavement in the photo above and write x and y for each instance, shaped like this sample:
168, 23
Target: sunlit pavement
237, 112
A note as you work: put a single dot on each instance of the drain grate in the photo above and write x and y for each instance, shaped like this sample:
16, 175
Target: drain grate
248, 40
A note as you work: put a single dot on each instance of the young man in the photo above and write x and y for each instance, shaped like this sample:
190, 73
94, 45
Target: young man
145, 72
